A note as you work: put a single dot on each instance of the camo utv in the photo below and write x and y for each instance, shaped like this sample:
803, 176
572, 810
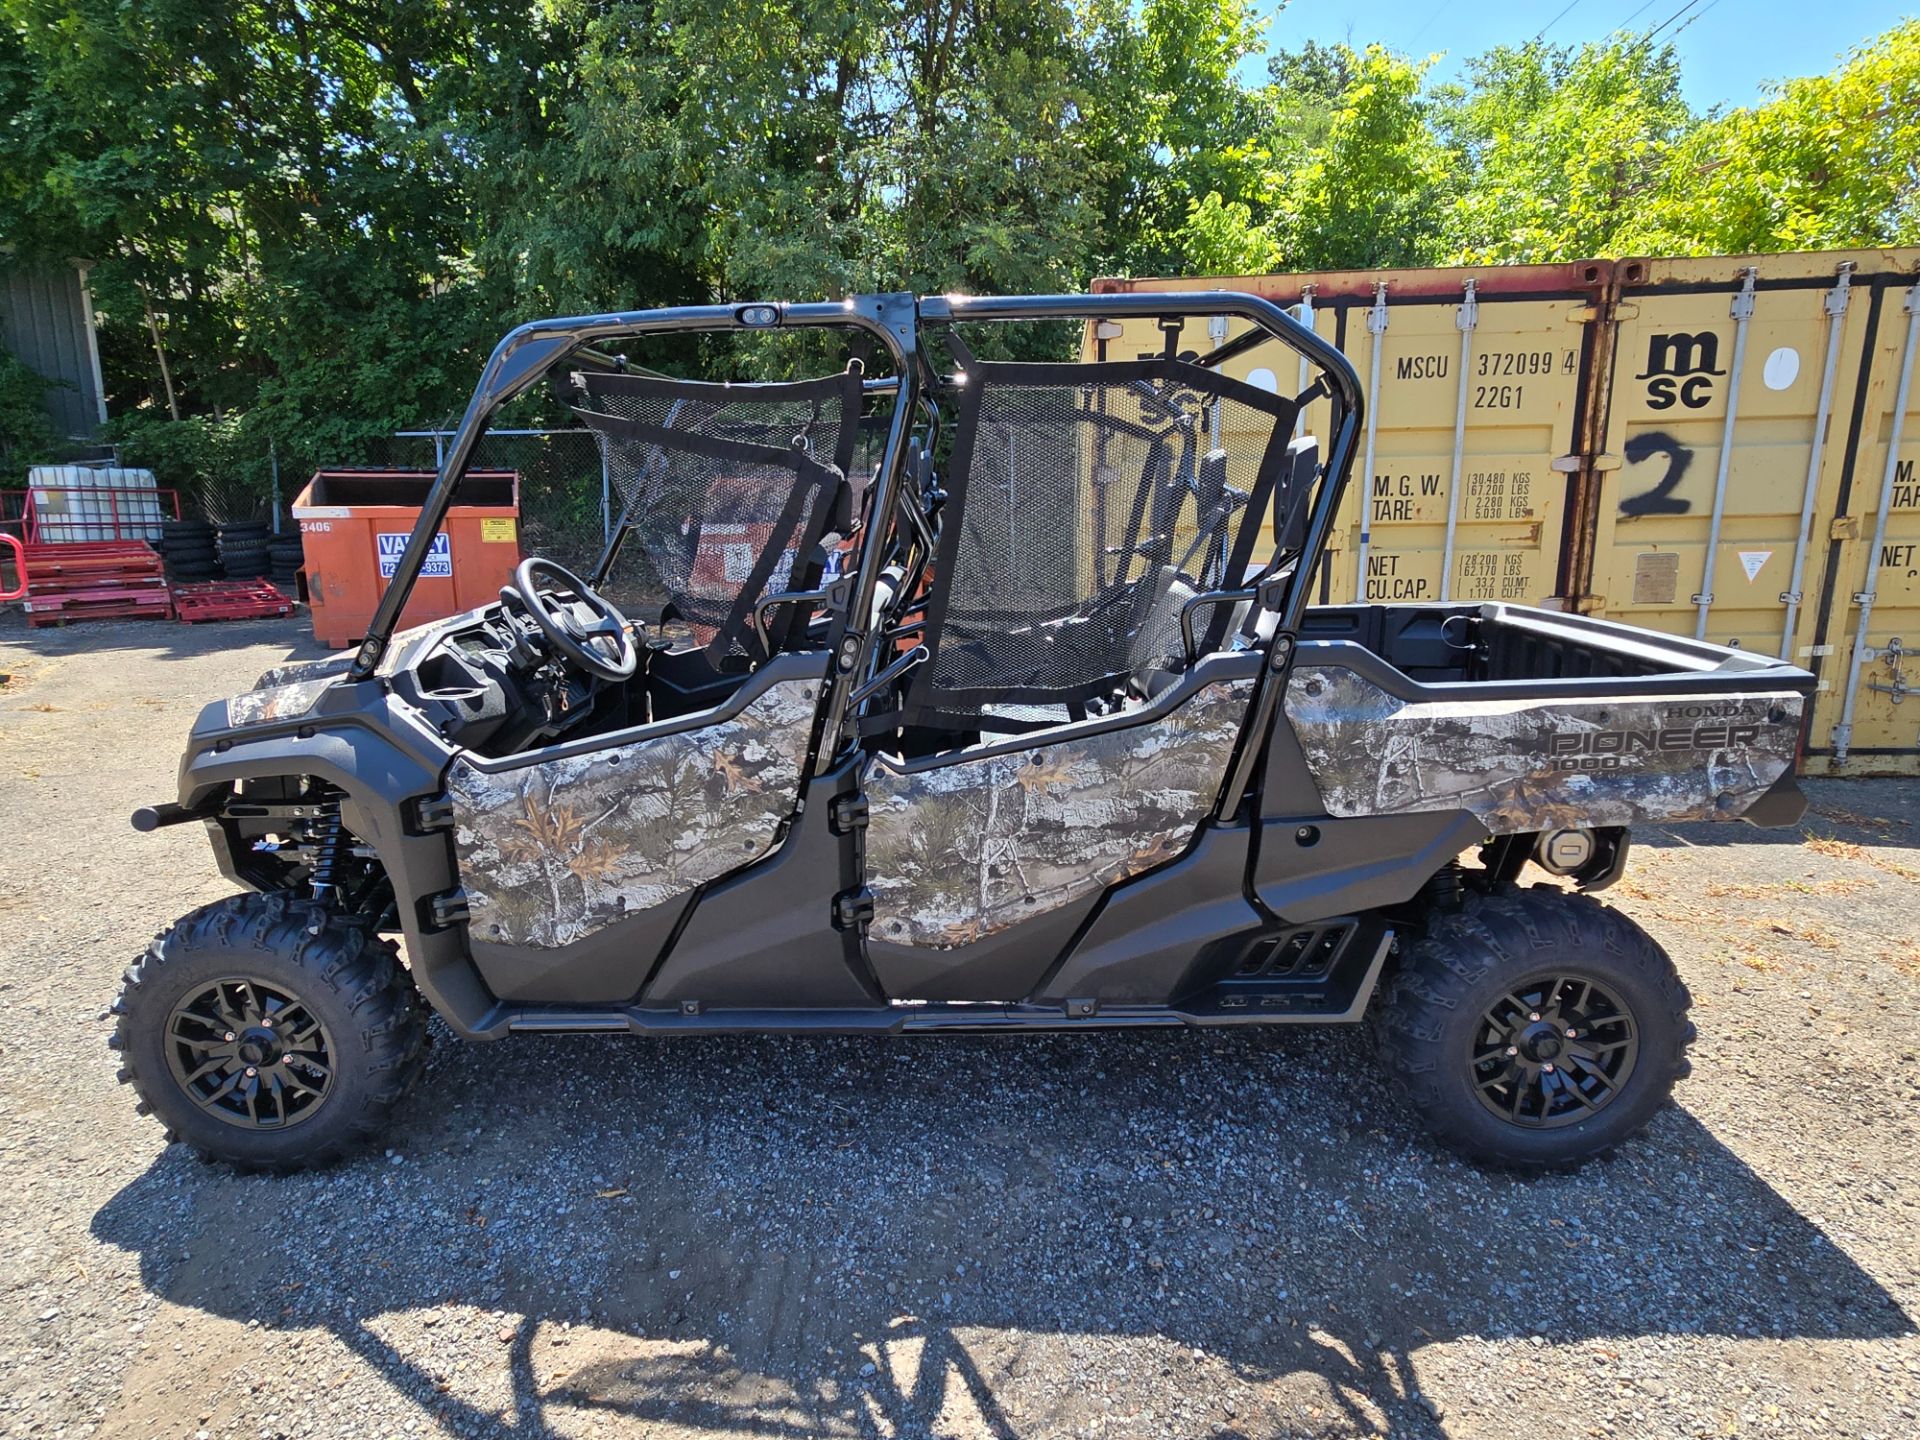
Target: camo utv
970, 694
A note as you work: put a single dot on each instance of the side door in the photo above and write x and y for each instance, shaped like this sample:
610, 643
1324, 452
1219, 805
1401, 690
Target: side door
579, 859
1089, 672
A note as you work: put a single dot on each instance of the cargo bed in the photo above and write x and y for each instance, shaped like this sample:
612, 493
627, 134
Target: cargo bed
1532, 720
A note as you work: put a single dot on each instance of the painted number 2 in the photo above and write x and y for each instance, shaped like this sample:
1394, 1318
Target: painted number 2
1660, 500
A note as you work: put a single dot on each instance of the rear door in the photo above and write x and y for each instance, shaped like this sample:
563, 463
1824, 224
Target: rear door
1088, 679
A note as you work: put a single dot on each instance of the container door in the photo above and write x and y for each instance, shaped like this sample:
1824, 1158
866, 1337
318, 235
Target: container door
1867, 714
1732, 384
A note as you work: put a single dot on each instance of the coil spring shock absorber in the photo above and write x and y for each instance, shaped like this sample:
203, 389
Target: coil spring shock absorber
1444, 889
329, 844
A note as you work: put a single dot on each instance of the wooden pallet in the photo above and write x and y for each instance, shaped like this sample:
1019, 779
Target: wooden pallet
106, 602
228, 600
96, 580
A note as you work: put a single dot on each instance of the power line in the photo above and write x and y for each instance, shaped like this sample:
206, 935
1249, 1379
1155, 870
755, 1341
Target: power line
1671, 18
1433, 15
1555, 21
1645, 6
1695, 19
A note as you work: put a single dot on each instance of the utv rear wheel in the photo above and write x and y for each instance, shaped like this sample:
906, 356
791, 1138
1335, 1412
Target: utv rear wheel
265, 1033
1535, 1029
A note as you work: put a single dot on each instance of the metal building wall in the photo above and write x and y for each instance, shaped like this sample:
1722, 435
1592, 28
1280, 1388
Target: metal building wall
47, 322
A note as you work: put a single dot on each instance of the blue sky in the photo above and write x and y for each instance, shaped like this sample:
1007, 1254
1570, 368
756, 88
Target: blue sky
1728, 51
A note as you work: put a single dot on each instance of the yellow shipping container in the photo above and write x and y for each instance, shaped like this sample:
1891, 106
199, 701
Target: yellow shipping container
1729, 375
1586, 436
1475, 409
1866, 718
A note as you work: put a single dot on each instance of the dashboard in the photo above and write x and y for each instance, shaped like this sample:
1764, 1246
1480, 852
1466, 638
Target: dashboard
493, 684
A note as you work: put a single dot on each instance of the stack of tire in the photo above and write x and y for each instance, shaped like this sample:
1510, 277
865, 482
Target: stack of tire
243, 549
285, 555
188, 550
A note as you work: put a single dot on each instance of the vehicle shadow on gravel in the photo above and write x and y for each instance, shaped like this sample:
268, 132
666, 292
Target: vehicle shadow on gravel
828, 1237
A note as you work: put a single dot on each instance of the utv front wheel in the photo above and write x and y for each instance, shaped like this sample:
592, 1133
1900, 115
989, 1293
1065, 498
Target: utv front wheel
1535, 1029
265, 1033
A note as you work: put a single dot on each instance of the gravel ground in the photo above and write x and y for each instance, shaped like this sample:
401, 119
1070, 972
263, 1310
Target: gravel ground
1130, 1235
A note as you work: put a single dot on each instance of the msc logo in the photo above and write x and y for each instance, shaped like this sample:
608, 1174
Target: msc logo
1681, 367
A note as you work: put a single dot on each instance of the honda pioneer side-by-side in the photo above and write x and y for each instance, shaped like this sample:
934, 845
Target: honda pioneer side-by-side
971, 694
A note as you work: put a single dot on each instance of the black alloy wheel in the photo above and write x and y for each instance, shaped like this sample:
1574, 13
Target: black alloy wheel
250, 1054
1534, 1029
1553, 1051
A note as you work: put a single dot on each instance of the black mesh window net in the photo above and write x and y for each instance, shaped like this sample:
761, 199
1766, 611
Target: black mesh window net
726, 492
1087, 504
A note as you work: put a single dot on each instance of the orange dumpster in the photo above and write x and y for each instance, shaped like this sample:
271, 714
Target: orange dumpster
354, 525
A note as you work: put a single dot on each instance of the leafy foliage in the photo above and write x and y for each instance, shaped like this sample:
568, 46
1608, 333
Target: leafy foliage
1558, 146
1829, 161
27, 432
310, 221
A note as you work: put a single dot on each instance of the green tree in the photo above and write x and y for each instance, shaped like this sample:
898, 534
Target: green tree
1829, 161
1554, 147
1373, 191
27, 432
1168, 120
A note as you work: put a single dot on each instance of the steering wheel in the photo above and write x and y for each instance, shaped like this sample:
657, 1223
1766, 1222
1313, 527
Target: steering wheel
602, 647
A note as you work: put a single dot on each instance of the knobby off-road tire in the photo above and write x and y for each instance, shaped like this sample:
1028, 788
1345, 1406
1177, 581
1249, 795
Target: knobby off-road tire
1474, 1028
325, 1012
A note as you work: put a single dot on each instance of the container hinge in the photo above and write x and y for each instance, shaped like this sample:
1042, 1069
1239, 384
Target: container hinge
1081, 1009
448, 908
1836, 302
853, 909
433, 812
847, 814
1742, 306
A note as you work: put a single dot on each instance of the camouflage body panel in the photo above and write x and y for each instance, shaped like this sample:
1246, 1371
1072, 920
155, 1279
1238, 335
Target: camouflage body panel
277, 702
553, 851
963, 850
1524, 765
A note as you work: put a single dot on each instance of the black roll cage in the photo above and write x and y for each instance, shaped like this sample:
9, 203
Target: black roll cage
524, 357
